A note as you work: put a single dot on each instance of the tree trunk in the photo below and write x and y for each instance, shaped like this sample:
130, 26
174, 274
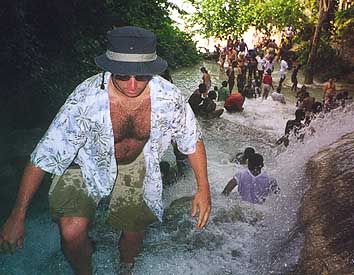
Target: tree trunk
322, 17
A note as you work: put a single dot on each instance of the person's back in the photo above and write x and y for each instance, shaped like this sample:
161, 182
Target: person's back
254, 185
208, 108
196, 98
248, 90
267, 84
223, 92
234, 103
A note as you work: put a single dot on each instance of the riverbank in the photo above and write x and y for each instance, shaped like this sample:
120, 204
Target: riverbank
326, 212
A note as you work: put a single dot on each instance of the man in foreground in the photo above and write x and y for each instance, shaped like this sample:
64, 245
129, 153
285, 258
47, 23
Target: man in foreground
122, 120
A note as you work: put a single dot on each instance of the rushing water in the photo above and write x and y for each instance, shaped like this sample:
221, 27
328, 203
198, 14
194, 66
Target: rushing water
240, 238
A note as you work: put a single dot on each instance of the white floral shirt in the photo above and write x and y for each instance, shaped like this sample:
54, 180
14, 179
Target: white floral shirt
82, 132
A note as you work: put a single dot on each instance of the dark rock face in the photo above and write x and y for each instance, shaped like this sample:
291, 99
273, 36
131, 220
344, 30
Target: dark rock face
327, 212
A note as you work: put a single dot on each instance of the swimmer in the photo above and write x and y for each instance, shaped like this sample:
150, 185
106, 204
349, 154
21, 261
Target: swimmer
254, 185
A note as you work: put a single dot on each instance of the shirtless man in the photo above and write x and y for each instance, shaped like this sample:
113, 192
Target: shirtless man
329, 90
123, 118
206, 78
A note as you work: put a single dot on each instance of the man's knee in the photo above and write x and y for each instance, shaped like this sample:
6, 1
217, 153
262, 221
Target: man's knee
73, 229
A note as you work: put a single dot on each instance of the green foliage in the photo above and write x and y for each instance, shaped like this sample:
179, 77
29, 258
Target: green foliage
344, 22
229, 17
50, 46
328, 62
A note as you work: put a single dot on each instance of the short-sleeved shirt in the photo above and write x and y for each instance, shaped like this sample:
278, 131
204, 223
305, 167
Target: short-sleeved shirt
252, 188
82, 133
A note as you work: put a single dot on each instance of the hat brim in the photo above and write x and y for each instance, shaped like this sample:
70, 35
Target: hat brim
131, 68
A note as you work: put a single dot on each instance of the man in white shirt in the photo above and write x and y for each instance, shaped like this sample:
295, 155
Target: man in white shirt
260, 65
282, 71
125, 117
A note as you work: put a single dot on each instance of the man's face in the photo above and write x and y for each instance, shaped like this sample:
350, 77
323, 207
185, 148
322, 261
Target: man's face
131, 86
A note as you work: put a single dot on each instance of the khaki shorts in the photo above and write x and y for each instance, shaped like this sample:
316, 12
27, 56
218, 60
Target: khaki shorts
68, 197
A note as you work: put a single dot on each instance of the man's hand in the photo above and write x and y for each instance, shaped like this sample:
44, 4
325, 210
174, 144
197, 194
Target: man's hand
12, 234
202, 202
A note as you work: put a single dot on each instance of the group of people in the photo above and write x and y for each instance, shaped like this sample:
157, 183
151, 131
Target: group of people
308, 109
251, 68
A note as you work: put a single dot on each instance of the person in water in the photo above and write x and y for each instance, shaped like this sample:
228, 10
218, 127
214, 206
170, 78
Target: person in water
196, 98
329, 90
223, 92
293, 126
253, 184
242, 158
234, 103
208, 108
206, 78
112, 126
278, 96
267, 84
294, 80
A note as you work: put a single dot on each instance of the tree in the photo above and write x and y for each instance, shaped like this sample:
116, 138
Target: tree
325, 7
230, 17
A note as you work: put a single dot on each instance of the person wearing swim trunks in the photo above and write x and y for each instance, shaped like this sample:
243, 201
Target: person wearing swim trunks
115, 127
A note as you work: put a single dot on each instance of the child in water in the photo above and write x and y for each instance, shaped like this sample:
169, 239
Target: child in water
254, 185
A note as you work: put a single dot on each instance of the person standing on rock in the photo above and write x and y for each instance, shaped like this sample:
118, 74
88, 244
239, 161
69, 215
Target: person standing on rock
120, 120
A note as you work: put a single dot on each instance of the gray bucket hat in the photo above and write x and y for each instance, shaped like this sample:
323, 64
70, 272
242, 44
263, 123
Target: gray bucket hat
131, 51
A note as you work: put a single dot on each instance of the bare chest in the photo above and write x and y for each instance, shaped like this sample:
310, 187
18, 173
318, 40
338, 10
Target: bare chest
131, 130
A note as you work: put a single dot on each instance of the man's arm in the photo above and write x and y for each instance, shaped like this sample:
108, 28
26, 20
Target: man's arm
229, 187
12, 232
202, 199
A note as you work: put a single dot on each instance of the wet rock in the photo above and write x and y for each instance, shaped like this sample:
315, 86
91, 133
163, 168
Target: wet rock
180, 226
326, 214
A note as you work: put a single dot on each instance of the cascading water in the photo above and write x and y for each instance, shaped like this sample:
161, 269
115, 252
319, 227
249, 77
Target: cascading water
240, 238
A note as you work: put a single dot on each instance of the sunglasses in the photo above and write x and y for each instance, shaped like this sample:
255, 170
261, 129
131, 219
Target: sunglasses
137, 77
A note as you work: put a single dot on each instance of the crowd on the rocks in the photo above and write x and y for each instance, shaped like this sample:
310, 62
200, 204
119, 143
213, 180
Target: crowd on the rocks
249, 74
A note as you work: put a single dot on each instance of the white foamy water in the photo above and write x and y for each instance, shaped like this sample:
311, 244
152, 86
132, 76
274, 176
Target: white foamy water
240, 238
